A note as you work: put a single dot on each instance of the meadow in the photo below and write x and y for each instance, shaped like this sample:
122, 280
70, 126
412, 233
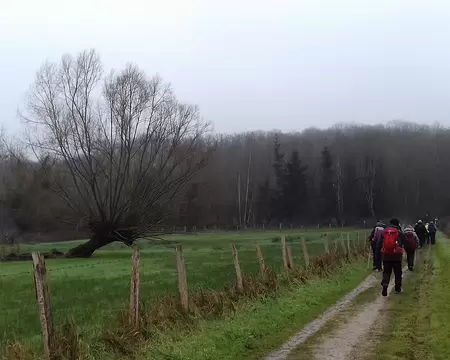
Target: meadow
93, 290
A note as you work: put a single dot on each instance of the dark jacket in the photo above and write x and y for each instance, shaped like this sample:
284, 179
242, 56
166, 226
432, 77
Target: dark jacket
402, 243
421, 230
432, 228
376, 227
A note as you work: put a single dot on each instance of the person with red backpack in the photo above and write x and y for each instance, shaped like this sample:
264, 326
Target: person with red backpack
374, 239
411, 245
393, 241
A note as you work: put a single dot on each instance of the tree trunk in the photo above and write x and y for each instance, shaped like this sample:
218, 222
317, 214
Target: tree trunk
86, 249
239, 199
247, 214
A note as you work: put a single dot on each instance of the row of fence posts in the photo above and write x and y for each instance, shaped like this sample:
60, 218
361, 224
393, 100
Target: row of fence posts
279, 226
43, 294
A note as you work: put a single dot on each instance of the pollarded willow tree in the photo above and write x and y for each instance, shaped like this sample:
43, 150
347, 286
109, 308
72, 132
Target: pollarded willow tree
124, 146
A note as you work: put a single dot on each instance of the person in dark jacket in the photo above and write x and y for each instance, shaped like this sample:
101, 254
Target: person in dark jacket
393, 262
432, 232
421, 232
412, 243
374, 240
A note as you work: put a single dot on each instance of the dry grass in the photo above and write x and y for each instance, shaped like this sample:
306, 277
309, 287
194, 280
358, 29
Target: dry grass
16, 351
68, 346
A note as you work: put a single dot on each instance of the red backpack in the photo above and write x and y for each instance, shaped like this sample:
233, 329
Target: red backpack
411, 240
391, 242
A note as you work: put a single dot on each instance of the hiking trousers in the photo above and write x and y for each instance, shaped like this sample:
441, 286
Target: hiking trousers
396, 267
422, 239
410, 255
433, 238
376, 256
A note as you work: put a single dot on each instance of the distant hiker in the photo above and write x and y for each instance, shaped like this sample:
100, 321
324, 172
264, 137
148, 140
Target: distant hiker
421, 232
375, 243
393, 240
432, 232
411, 244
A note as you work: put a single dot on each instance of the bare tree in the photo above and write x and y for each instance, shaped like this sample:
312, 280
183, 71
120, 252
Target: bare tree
367, 172
126, 143
339, 187
247, 208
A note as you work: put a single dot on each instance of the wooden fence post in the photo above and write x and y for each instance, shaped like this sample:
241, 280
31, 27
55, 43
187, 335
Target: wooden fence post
43, 300
305, 252
182, 278
262, 265
289, 258
135, 286
348, 242
358, 239
343, 243
327, 246
240, 283
283, 251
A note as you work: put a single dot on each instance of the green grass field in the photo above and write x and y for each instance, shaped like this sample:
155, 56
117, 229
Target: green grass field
92, 290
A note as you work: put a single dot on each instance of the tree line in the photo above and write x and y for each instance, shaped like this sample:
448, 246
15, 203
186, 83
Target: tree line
337, 176
117, 157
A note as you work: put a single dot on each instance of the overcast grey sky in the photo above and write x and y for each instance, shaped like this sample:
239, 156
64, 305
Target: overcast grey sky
250, 64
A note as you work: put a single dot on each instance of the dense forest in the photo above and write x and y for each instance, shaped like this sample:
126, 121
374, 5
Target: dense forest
340, 176
136, 160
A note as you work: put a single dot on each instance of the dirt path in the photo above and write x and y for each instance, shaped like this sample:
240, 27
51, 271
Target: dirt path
343, 339
343, 343
313, 327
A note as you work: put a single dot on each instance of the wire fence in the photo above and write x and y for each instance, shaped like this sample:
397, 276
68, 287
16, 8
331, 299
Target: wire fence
92, 289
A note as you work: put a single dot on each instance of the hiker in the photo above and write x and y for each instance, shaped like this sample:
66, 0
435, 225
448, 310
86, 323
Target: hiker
411, 244
432, 232
421, 232
428, 234
393, 239
375, 242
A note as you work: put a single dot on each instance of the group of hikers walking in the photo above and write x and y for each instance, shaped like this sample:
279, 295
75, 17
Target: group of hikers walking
389, 242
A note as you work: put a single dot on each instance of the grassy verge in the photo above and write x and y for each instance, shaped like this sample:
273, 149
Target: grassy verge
440, 305
260, 326
418, 323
